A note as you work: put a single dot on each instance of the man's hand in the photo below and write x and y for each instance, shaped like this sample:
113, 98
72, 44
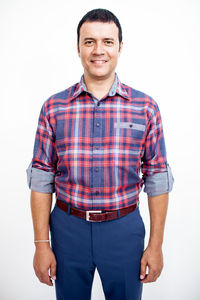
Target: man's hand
153, 258
44, 260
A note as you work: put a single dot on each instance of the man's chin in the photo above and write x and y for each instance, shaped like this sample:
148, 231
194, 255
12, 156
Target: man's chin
100, 75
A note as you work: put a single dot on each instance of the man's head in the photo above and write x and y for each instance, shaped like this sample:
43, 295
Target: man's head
100, 15
99, 43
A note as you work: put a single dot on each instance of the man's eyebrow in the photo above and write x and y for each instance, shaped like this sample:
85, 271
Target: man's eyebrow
110, 39
90, 38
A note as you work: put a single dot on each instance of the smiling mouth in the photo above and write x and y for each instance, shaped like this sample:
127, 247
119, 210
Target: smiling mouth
99, 62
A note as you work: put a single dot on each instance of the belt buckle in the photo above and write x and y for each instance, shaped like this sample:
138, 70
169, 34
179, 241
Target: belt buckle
92, 211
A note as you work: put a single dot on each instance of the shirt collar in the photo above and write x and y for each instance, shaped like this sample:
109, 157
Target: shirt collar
117, 88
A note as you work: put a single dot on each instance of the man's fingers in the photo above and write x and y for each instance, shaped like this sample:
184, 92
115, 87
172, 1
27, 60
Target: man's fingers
151, 276
44, 277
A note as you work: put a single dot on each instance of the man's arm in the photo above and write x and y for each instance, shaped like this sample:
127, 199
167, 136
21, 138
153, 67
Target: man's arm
152, 256
44, 258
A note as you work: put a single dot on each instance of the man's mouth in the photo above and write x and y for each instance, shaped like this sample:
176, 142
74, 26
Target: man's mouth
99, 62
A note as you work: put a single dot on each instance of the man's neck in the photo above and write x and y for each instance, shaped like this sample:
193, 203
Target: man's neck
99, 87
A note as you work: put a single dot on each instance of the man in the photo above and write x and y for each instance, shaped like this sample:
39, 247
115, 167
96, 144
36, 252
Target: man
92, 141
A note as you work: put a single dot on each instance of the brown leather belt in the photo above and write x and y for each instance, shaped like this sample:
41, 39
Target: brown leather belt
96, 215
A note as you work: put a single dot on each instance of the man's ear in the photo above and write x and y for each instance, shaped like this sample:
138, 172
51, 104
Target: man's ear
120, 47
77, 45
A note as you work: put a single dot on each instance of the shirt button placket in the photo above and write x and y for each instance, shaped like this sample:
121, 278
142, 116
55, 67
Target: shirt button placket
97, 136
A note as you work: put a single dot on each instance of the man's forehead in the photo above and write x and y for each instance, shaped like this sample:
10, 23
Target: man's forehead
105, 30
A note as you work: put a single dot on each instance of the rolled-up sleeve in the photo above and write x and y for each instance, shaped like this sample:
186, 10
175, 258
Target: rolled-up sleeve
157, 174
39, 180
159, 183
42, 168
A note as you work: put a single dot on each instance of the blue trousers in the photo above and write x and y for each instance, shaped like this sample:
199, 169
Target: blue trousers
114, 247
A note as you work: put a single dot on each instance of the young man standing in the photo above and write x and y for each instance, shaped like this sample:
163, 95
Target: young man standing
92, 141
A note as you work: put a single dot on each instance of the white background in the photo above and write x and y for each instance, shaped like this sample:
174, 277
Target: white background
161, 58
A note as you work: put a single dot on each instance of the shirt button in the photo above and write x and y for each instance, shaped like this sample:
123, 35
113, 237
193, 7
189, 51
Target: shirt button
97, 124
97, 169
98, 103
97, 192
97, 147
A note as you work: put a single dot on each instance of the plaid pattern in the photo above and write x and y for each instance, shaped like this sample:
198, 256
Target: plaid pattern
95, 154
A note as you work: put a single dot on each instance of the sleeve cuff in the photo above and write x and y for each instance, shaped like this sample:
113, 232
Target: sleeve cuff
40, 180
159, 183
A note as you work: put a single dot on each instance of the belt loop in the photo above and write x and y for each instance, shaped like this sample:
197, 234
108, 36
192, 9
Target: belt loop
69, 206
118, 212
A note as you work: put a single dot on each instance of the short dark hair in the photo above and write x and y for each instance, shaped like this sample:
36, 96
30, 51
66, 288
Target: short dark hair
100, 15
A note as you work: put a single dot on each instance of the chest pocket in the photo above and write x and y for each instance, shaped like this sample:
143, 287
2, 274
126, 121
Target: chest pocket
129, 129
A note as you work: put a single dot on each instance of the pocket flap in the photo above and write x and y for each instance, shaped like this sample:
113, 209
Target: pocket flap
130, 125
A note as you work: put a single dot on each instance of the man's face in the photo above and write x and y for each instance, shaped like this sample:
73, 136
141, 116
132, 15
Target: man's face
99, 49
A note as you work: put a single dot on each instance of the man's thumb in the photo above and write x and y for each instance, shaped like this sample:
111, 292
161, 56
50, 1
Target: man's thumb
53, 271
142, 270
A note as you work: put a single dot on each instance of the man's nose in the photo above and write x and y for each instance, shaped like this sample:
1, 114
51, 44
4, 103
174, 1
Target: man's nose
98, 49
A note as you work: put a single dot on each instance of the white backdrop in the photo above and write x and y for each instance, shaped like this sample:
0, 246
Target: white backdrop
161, 58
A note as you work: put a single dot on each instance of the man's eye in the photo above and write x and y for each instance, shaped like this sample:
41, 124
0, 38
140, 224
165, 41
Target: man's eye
109, 42
88, 42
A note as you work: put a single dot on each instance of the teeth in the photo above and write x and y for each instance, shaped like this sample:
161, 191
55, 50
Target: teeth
99, 61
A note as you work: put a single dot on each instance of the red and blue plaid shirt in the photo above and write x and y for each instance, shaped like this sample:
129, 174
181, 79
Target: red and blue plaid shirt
98, 154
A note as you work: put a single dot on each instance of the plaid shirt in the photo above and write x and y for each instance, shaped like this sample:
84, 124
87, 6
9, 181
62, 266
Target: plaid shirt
92, 152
